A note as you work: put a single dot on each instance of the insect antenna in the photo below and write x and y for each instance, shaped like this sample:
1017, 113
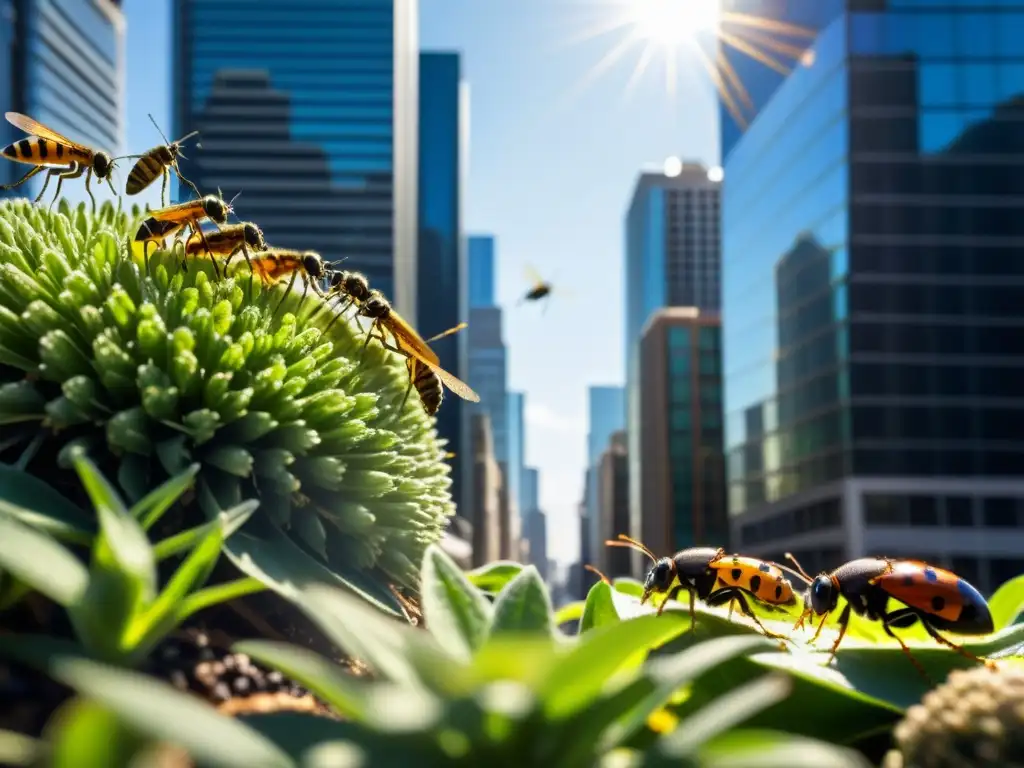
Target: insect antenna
801, 576
150, 116
625, 541
600, 575
803, 573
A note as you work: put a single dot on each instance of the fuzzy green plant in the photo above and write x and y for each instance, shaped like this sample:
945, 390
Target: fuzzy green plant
152, 372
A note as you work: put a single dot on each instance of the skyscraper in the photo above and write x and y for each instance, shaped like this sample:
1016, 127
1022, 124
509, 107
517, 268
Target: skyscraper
442, 270
313, 115
759, 80
613, 505
672, 258
516, 456
679, 433
62, 62
481, 270
873, 356
606, 408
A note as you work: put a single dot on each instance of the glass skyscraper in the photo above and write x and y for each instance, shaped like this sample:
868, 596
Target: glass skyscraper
606, 409
310, 111
62, 63
481, 270
516, 450
442, 271
872, 295
760, 81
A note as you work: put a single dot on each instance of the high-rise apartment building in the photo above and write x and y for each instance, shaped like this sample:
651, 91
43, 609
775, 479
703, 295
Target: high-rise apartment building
679, 433
873, 355
606, 409
62, 62
740, 21
481, 270
312, 113
442, 271
672, 258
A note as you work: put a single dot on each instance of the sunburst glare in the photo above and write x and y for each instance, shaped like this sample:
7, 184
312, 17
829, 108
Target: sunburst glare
680, 33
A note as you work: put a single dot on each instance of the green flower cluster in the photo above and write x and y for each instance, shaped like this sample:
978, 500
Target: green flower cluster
152, 372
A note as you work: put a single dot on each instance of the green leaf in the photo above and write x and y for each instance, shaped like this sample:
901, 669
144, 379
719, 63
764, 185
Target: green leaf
770, 749
725, 713
347, 694
160, 616
457, 615
224, 592
41, 562
599, 608
228, 522
669, 674
152, 507
395, 650
569, 612
1007, 603
37, 504
585, 670
494, 576
82, 732
523, 606
153, 708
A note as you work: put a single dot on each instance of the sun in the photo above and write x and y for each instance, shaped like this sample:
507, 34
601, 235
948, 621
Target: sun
674, 22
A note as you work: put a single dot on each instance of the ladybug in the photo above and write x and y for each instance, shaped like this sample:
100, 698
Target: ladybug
699, 570
938, 598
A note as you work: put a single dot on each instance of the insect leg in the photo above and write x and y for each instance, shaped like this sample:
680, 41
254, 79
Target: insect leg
408, 389
163, 187
737, 597
202, 236
32, 172
844, 622
950, 644
46, 182
672, 595
92, 197
287, 290
903, 647
186, 181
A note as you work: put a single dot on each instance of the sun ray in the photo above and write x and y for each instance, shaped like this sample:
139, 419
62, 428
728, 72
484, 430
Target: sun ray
603, 64
723, 90
755, 53
642, 63
725, 67
769, 25
766, 41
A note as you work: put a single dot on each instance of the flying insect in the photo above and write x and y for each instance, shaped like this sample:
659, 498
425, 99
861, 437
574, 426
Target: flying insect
58, 155
159, 161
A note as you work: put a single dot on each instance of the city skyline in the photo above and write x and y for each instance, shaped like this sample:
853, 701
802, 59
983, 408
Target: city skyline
552, 184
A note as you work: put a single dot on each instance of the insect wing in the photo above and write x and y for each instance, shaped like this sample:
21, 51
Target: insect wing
533, 276
158, 228
457, 386
35, 128
408, 340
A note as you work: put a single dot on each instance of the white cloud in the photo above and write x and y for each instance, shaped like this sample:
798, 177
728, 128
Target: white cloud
543, 418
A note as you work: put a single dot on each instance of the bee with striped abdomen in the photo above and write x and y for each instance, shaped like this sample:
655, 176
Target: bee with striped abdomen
224, 243
159, 161
58, 155
425, 379
274, 263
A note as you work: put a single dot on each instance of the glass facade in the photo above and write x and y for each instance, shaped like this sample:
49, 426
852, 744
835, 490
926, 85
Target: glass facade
740, 20
878, 194
63, 64
694, 410
441, 264
516, 462
531, 490
606, 407
311, 112
481, 270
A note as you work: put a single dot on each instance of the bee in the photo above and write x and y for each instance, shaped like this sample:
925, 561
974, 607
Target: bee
159, 161
426, 381
172, 220
386, 321
225, 242
352, 286
58, 155
541, 288
938, 598
700, 570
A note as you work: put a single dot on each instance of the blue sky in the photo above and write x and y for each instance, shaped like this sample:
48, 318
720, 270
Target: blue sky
553, 159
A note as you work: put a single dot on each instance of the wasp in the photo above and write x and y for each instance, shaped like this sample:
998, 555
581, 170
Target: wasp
159, 161
344, 285
172, 220
275, 263
386, 321
938, 598
699, 571
227, 241
426, 380
58, 155
541, 288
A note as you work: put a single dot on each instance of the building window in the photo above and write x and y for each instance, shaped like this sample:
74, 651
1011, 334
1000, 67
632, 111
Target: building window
958, 512
880, 509
1000, 512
